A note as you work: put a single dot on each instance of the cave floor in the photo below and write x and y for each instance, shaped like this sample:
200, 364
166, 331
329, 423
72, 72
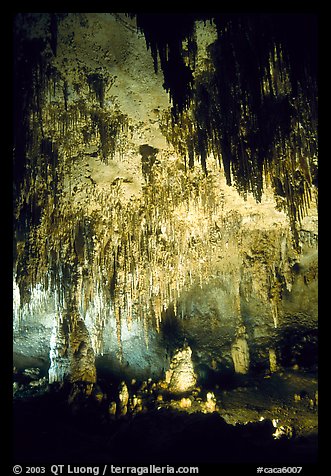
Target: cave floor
48, 430
289, 397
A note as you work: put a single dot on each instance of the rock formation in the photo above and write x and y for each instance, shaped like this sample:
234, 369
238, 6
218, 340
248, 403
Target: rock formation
123, 396
240, 353
181, 377
149, 206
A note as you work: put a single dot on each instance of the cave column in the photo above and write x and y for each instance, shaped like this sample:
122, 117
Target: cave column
59, 352
239, 348
71, 352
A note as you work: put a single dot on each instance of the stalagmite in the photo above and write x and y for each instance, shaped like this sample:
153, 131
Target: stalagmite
185, 403
59, 354
71, 354
82, 359
210, 405
273, 360
112, 409
240, 352
123, 396
181, 376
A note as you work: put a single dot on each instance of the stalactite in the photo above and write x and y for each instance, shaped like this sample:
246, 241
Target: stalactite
167, 46
98, 83
109, 128
254, 98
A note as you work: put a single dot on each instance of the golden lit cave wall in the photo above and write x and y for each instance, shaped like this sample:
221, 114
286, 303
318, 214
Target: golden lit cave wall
96, 246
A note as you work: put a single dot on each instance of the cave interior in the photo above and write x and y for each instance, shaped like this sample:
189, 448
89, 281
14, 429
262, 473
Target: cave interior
165, 228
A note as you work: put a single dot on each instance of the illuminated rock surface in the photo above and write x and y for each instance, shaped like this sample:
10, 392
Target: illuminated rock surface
181, 376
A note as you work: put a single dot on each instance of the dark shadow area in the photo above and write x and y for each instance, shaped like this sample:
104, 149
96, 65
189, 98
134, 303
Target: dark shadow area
48, 430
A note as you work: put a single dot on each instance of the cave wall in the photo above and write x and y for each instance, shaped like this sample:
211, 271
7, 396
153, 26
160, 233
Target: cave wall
123, 250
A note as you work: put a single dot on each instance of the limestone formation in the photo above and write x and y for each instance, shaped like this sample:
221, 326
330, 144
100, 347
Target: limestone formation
71, 355
185, 403
32, 373
283, 431
273, 360
81, 354
240, 353
210, 405
38, 383
165, 187
181, 376
112, 409
123, 396
128, 207
98, 394
59, 359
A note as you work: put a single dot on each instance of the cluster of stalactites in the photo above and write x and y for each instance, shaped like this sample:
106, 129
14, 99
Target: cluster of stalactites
149, 249
165, 35
131, 259
134, 260
254, 106
56, 121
